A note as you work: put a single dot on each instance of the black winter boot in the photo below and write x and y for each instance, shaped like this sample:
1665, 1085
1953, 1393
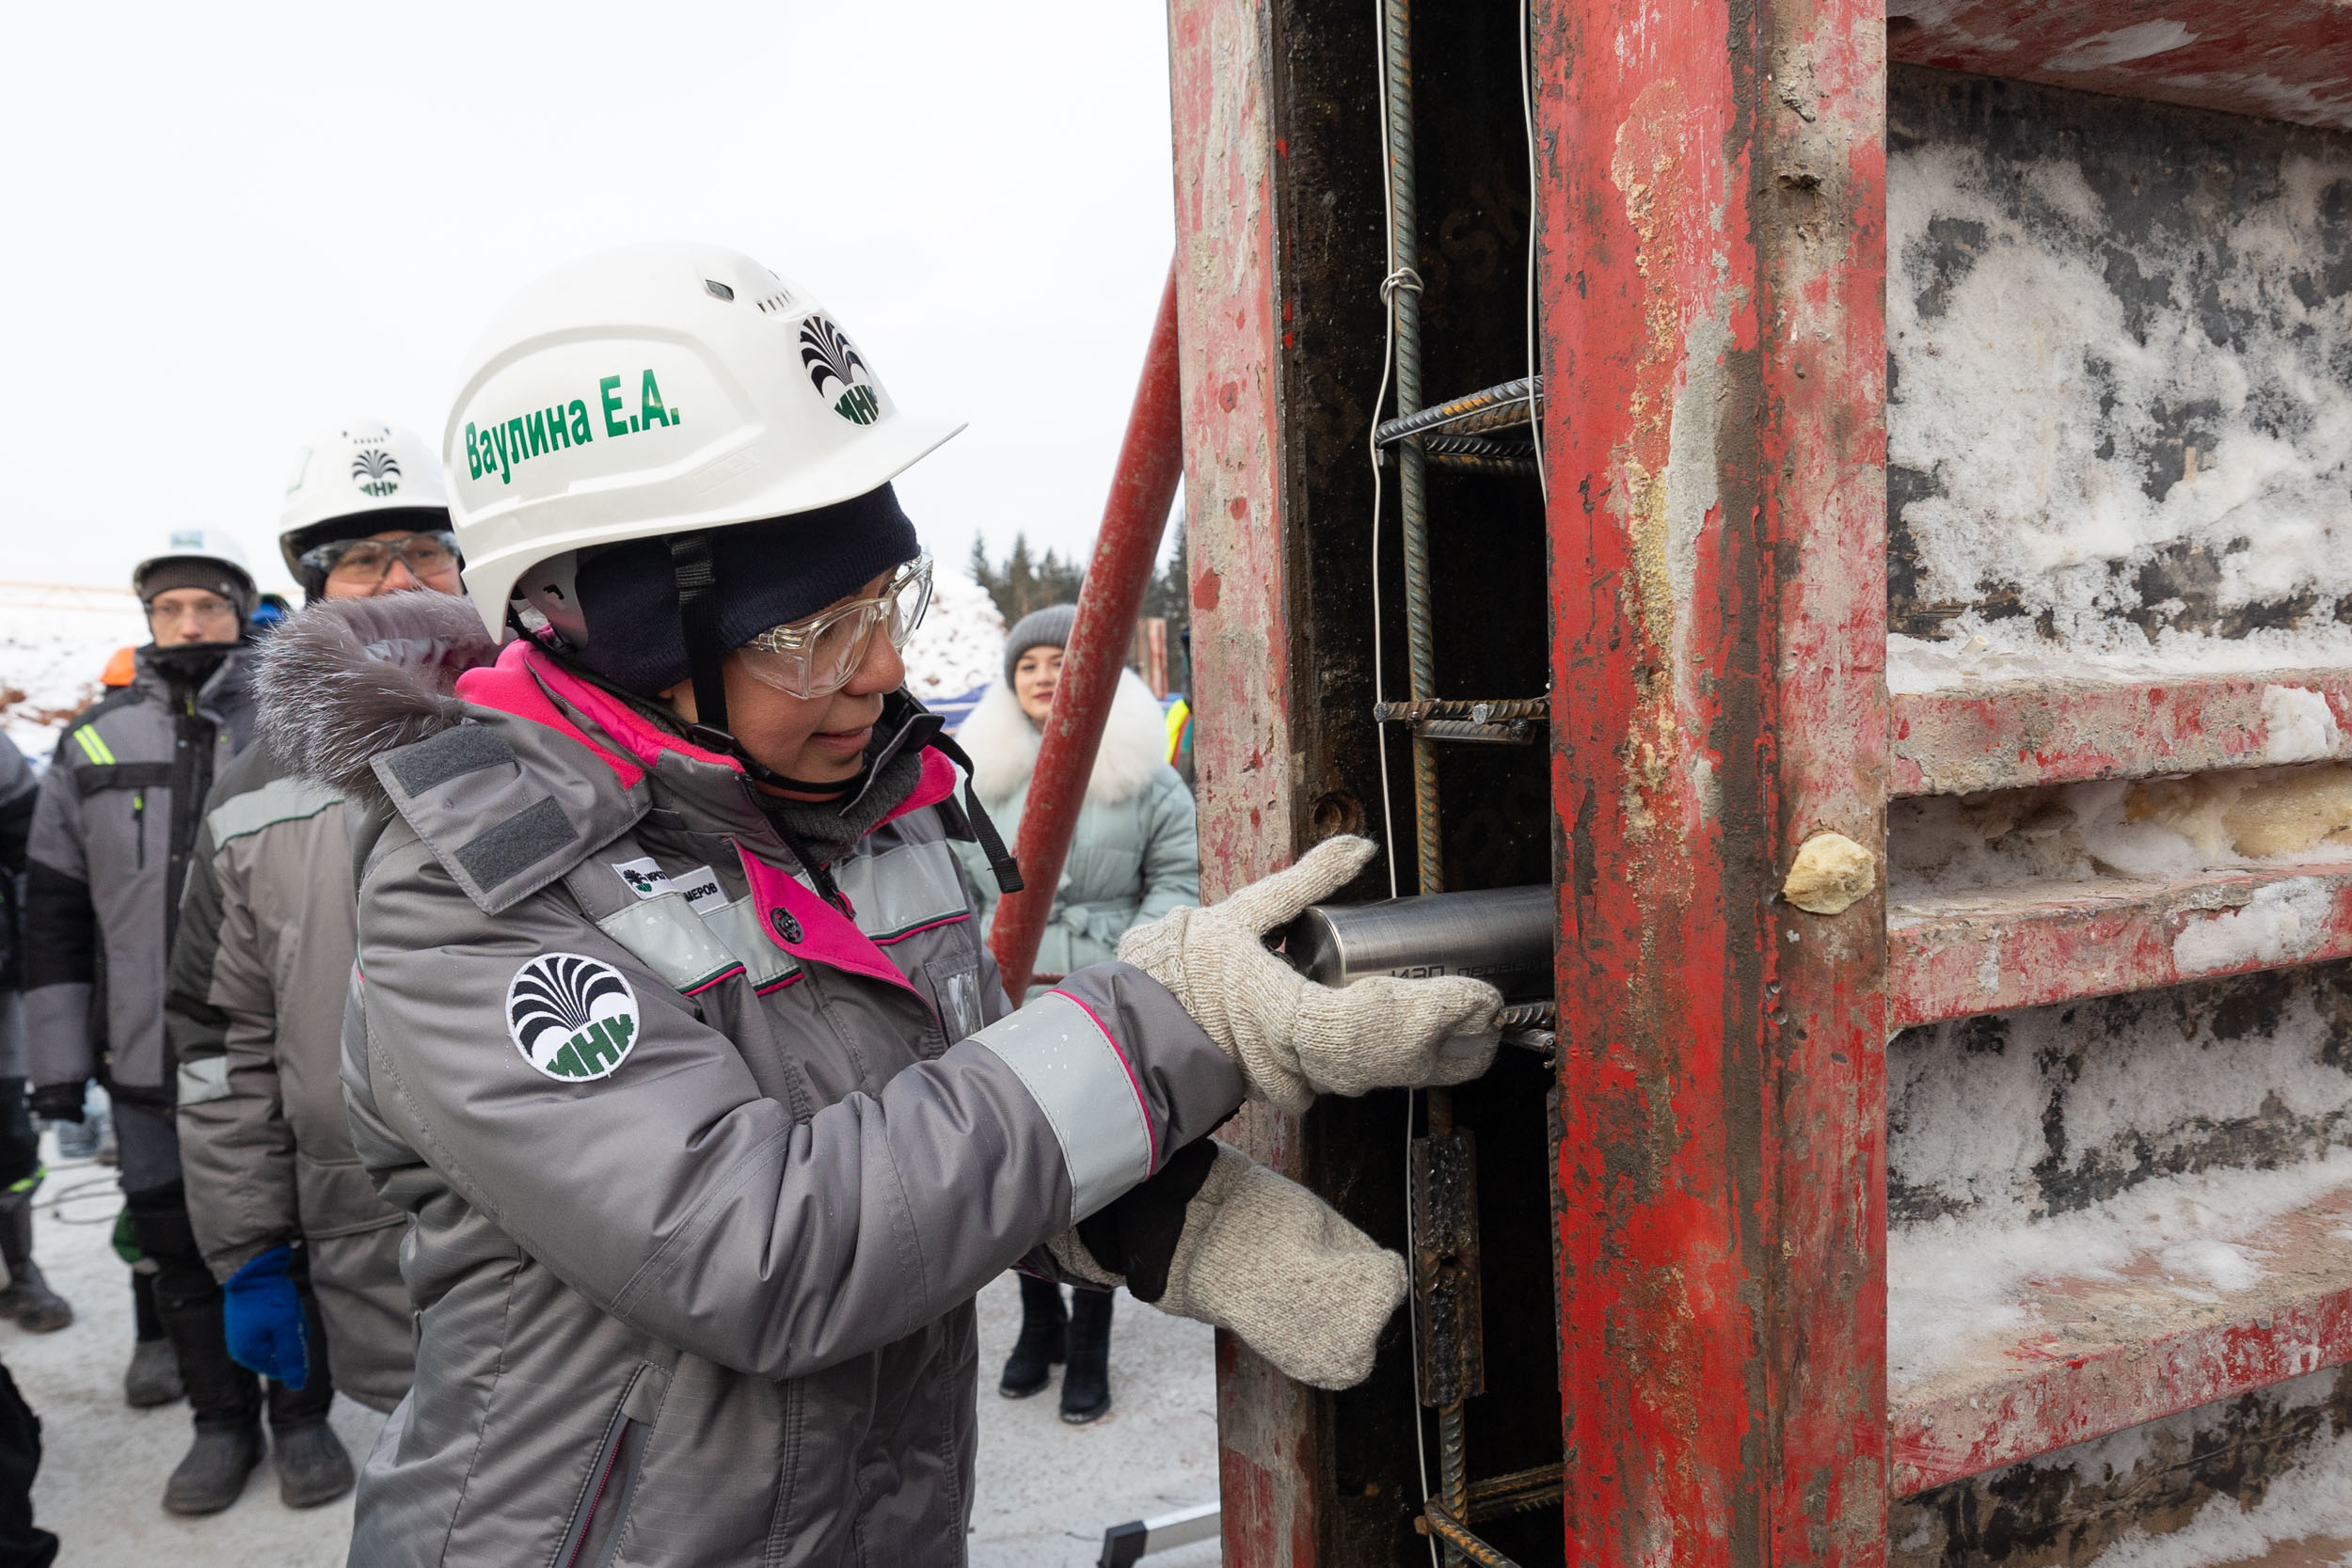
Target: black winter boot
28, 1299
312, 1467
1086, 1384
154, 1375
1039, 1349
212, 1474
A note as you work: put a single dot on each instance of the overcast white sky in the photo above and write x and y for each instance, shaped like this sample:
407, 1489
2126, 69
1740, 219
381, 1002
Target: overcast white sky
230, 225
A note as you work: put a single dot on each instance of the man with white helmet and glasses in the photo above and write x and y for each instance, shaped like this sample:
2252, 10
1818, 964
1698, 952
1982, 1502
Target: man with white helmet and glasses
112, 832
671, 1025
307, 1253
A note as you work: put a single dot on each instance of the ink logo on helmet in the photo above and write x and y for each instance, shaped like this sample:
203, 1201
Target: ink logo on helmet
828, 354
375, 471
573, 1018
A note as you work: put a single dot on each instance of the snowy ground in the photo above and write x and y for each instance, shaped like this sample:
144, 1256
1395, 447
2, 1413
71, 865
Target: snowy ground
1046, 1491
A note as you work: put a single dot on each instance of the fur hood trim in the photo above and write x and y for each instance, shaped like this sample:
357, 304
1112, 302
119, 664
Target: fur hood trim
347, 680
1004, 744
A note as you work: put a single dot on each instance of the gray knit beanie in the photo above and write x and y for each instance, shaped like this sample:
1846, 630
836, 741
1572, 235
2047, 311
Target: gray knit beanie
1039, 628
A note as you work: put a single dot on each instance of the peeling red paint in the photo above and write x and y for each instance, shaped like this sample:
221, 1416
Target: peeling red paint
1249, 821
2116, 1350
2019, 732
2284, 60
1985, 952
1716, 460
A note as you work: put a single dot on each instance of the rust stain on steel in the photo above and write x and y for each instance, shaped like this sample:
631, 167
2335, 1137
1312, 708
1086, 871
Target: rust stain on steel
1712, 271
2017, 734
1269, 1461
2098, 1355
2283, 60
1989, 951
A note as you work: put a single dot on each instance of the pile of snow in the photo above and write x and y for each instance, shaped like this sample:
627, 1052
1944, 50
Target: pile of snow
960, 647
55, 644
2045, 403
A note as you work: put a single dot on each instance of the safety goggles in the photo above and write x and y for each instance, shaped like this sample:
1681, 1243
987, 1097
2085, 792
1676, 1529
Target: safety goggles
371, 560
816, 657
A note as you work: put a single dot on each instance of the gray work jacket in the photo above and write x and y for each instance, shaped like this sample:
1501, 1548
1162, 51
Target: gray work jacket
112, 832
705, 1169
255, 1011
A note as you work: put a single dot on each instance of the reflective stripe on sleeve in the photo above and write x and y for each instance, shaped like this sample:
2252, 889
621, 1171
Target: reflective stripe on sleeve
203, 1079
1080, 1079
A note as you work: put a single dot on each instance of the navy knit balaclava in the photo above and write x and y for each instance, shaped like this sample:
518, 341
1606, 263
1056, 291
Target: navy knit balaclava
768, 572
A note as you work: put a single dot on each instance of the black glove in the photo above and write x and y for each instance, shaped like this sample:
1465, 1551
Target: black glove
1135, 1237
59, 1102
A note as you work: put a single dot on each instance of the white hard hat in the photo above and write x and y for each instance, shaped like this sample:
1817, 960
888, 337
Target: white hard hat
359, 470
198, 544
659, 389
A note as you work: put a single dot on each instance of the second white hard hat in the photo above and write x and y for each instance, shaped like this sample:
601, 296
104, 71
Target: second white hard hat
657, 389
194, 542
361, 469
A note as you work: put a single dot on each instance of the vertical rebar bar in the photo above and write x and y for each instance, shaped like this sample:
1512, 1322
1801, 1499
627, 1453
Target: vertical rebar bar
1403, 287
1404, 291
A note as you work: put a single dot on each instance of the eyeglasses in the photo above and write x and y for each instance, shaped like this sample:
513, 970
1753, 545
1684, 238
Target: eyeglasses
371, 560
816, 657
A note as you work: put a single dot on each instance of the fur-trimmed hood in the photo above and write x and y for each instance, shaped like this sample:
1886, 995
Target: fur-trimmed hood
347, 680
1004, 744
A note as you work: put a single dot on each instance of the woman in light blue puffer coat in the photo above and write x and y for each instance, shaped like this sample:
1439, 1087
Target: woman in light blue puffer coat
1134, 857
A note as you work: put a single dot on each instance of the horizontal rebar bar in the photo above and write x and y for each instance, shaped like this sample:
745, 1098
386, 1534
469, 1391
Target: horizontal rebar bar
1464, 731
1515, 1492
1441, 1523
1495, 408
1478, 710
1529, 1015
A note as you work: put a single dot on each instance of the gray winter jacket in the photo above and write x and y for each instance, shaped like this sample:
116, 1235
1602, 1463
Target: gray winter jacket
705, 1170
116, 822
255, 1009
1136, 853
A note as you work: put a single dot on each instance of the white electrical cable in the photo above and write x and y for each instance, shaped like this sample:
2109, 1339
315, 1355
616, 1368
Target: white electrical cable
1535, 366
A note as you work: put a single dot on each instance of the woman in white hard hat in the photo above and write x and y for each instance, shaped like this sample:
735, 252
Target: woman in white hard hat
671, 1025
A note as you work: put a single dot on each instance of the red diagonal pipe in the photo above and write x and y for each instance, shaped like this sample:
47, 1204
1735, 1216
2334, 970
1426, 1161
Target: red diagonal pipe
1150, 459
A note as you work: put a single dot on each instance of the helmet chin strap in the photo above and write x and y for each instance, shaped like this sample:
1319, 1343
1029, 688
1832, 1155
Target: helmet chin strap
698, 620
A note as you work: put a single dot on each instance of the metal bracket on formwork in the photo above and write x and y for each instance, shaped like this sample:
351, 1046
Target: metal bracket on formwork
1451, 1344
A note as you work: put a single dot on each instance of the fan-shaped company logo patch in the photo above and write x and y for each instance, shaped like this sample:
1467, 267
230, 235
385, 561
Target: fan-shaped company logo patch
827, 355
375, 471
573, 1018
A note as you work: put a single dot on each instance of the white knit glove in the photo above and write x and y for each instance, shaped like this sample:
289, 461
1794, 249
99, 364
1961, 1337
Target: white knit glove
1264, 1257
1292, 1038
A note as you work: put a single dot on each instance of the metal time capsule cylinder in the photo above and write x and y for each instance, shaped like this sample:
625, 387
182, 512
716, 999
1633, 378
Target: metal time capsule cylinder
1503, 936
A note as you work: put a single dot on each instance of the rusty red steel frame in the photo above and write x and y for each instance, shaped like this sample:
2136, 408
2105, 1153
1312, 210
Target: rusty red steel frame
1151, 460
2012, 735
1711, 270
1999, 948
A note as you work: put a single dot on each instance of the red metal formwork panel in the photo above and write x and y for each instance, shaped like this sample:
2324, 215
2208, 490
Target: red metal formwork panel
1229, 341
1711, 272
2282, 59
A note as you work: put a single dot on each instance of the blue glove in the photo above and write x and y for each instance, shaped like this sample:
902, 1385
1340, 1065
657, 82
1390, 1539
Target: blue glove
264, 1324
